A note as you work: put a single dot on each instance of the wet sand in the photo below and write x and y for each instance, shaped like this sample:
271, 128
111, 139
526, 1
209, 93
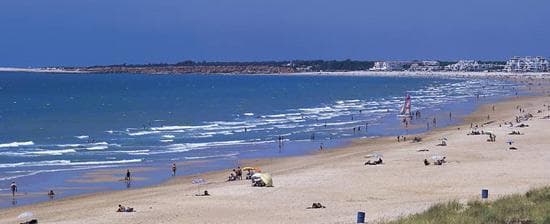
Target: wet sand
339, 180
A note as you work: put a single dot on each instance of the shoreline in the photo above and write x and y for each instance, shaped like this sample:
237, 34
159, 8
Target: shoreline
441, 74
77, 179
276, 165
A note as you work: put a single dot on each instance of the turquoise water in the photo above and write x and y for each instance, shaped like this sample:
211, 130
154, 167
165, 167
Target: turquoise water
55, 126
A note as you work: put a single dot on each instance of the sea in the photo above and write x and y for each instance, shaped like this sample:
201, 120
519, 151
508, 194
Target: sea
56, 128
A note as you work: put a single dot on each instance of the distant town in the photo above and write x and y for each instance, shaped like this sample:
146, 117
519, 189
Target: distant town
513, 65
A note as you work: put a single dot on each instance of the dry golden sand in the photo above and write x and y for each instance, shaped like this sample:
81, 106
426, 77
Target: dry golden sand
339, 180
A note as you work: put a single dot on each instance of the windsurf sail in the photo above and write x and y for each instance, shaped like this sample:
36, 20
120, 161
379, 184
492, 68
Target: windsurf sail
406, 108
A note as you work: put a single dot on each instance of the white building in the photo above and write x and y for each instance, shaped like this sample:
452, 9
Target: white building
389, 66
425, 66
527, 64
464, 65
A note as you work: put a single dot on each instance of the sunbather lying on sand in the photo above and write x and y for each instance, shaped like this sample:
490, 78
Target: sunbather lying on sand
440, 161
316, 205
514, 133
522, 126
379, 161
124, 209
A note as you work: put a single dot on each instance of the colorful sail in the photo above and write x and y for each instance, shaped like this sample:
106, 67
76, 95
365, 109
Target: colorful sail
406, 108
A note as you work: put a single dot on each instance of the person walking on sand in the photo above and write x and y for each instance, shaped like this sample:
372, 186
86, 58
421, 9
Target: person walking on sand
127, 178
174, 169
13, 187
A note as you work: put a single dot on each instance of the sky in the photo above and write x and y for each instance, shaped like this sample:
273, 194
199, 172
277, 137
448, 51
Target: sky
98, 32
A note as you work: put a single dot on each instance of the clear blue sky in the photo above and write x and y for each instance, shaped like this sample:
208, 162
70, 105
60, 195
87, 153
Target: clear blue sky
89, 32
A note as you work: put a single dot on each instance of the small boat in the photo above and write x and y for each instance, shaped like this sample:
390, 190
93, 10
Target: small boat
406, 108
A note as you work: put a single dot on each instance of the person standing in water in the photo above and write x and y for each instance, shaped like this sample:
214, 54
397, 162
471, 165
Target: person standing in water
13, 188
127, 178
174, 169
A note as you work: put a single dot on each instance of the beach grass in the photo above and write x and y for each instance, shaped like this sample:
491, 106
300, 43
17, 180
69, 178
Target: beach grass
531, 207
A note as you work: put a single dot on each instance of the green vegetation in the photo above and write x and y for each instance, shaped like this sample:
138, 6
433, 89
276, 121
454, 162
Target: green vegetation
530, 208
311, 65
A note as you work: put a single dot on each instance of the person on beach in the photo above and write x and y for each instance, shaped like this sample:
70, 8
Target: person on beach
398, 138
232, 176
321, 147
239, 173
13, 188
450, 116
434, 121
51, 194
174, 169
426, 162
124, 209
127, 178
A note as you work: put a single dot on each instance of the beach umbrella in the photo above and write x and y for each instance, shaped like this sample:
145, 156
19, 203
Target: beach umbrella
247, 168
375, 155
25, 215
266, 178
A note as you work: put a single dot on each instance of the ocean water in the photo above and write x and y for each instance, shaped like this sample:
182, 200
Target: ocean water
53, 127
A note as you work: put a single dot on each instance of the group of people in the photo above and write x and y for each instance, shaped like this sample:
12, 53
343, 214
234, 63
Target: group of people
236, 174
492, 137
401, 138
14, 189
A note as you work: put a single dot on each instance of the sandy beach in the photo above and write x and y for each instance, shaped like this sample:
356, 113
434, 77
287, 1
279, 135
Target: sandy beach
339, 179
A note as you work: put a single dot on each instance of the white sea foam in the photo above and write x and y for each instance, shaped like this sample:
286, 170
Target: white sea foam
136, 152
140, 133
82, 136
248, 114
168, 136
16, 144
209, 157
34, 172
51, 152
99, 147
65, 163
